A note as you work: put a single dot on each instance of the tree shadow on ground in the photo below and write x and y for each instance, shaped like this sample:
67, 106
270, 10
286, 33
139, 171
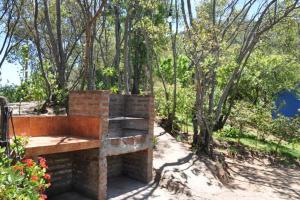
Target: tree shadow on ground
144, 190
284, 181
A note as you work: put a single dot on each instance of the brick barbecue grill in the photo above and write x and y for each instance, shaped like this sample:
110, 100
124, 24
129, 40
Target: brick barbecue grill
103, 136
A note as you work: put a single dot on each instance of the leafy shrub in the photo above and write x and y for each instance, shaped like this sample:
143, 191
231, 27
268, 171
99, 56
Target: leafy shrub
285, 129
10, 92
185, 104
22, 179
185, 93
31, 90
229, 132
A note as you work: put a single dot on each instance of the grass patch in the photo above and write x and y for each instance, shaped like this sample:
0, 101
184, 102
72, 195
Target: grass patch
286, 150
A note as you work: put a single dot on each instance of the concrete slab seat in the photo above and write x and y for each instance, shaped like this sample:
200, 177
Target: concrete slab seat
57, 134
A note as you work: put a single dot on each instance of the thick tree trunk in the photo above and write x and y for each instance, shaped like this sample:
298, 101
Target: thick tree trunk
127, 53
53, 43
205, 141
118, 44
87, 67
136, 80
61, 54
195, 130
137, 66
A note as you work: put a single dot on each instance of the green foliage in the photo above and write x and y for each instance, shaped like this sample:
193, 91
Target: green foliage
280, 136
228, 132
179, 138
241, 113
261, 119
107, 79
184, 109
266, 75
161, 104
17, 147
31, 90
185, 91
185, 100
109, 72
10, 92
184, 72
155, 142
286, 151
286, 129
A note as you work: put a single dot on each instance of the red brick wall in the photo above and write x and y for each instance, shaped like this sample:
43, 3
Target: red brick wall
90, 103
138, 165
114, 166
60, 169
116, 105
85, 126
74, 170
137, 106
86, 172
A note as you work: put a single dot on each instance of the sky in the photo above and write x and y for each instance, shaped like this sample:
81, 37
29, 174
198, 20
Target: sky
9, 71
10, 74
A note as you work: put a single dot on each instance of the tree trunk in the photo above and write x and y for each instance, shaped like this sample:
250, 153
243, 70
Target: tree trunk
127, 53
61, 54
195, 129
118, 44
137, 65
38, 46
174, 51
205, 141
149, 64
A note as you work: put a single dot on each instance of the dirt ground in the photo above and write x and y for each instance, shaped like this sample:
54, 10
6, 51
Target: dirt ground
255, 180
193, 178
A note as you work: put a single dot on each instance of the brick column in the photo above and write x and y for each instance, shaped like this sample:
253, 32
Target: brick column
94, 103
149, 153
104, 113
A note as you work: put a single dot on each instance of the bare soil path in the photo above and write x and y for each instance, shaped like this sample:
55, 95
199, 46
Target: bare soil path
255, 180
182, 175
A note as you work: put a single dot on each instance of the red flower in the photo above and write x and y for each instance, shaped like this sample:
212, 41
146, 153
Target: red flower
43, 197
43, 163
22, 173
47, 177
34, 178
29, 162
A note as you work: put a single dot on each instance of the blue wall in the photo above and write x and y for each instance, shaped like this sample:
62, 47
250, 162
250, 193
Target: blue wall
288, 103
